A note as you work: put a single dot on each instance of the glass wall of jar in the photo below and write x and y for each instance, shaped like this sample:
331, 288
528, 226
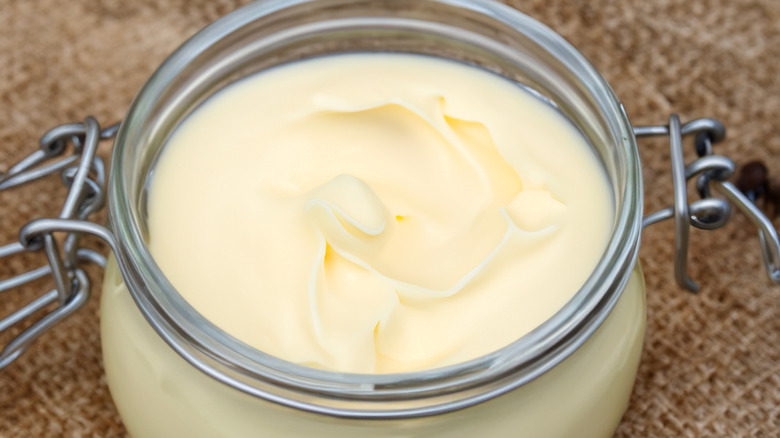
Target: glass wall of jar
173, 373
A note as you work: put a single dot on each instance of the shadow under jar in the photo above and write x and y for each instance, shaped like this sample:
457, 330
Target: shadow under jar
173, 373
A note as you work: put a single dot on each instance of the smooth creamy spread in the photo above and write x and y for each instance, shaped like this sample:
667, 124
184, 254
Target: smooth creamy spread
159, 394
377, 213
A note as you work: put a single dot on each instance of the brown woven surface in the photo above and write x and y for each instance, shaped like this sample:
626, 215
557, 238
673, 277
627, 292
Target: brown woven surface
711, 365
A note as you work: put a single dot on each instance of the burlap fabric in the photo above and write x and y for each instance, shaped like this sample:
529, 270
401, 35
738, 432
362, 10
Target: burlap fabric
711, 365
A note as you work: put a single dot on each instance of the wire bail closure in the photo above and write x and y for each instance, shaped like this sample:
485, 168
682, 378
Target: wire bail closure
708, 212
84, 174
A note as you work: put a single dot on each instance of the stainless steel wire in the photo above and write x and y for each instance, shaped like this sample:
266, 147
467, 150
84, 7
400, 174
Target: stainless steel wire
84, 175
708, 212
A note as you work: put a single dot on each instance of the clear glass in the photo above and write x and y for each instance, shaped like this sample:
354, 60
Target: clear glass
269, 33
159, 394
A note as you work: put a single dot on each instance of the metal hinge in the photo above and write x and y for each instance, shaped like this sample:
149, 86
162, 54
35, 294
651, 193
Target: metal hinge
708, 212
84, 174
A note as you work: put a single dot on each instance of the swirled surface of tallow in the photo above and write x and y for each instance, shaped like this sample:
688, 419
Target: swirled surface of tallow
377, 213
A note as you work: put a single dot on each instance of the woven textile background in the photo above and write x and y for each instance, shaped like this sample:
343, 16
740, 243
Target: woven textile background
711, 363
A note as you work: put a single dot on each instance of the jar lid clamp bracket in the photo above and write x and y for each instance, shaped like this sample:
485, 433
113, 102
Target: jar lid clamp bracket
84, 173
85, 176
708, 212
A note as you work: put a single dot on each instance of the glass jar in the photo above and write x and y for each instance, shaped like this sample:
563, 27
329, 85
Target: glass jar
173, 373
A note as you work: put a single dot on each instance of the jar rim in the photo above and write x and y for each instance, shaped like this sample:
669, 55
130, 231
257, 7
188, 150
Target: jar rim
446, 389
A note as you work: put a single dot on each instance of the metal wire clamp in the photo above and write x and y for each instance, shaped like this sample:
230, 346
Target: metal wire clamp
84, 173
708, 212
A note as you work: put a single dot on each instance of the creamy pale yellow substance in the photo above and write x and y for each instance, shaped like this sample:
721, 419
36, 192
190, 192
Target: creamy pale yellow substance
160, 395
377, 213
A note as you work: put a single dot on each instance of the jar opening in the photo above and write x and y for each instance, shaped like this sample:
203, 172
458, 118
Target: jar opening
261, 35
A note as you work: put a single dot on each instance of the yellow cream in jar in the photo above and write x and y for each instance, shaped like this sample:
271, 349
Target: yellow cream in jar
377, 213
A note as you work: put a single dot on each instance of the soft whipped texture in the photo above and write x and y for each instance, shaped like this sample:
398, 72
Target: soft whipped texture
377, 213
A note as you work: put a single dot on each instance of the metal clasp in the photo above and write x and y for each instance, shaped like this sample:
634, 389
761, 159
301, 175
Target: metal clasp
85, 176
708, 212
